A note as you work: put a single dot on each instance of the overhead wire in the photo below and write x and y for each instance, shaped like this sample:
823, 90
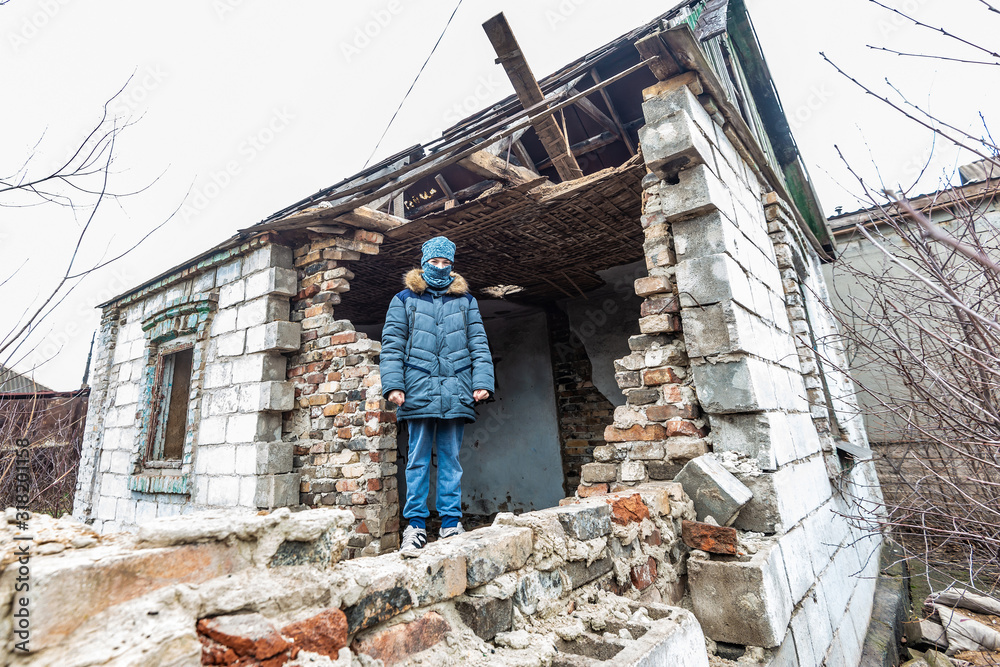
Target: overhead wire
421, 71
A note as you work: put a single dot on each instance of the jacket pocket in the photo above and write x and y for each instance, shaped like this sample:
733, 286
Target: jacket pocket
464, 375
417, 385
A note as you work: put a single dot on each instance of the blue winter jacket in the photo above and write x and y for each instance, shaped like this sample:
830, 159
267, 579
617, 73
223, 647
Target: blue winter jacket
434, 349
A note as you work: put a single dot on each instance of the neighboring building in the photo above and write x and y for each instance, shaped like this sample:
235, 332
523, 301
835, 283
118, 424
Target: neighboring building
650, 295
903, 453
52, 424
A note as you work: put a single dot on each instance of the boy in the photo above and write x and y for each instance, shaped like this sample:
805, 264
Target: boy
435, 365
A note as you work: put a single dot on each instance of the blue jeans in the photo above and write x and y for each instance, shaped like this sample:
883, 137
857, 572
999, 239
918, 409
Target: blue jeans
418, 466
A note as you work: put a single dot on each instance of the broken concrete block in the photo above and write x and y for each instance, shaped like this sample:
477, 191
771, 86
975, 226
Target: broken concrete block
713, 489
69, 589
763, 436
585, 522
379, 604
437, 575
698, 192
485, 616
734, 386
673, 143
782, 498
537, 588
492, 551
396, 643
709, 537
713, 279
742, 602
579, 573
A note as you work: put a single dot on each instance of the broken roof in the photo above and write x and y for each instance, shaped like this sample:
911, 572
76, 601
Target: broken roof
492, 182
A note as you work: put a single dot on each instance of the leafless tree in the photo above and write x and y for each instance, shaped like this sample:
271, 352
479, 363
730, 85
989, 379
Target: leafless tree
83, 185
922, 325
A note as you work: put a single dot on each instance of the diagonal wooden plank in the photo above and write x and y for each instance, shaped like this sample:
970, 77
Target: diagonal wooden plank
526, 86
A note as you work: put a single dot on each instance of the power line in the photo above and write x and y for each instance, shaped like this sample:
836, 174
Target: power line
401, 102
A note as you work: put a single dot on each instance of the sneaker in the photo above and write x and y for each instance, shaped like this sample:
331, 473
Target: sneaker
451, 532
414, 540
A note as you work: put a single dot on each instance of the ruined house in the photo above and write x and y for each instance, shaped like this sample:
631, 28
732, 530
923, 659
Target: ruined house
646, 249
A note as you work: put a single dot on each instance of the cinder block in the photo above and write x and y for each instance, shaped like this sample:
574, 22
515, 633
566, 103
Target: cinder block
709, 234
485, 616
698, 192
712, 279
742, 602
535, 589
734, 386
223, 491
798, 565
274, 281
262, 310
713, 489
269, 256
277, 490
811, 629
216, 460
270, 396
270, 457
258, 368
274, 336
673, 143
657, 107
231, 344
781, 499
763, 436
584, 522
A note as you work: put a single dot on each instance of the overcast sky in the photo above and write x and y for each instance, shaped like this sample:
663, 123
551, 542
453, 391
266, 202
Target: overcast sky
245, 106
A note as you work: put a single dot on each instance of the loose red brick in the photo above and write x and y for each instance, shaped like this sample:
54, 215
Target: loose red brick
332, 409
665, 375
342, 338
652, 285
659, 413
247, 634
325, 633
707, 537
397, 643
592, 490
628, 509
642, 576
682, 427
374, 484
659, 306
637, 432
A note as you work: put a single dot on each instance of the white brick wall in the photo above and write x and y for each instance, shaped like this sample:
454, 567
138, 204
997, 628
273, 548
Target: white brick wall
240, 395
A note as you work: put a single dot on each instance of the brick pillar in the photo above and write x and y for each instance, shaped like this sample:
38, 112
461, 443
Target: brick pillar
344, 433
582, 409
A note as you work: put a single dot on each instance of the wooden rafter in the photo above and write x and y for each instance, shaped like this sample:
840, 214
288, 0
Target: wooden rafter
526, 86
496, 168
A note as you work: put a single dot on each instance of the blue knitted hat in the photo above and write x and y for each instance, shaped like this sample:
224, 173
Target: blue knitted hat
439, 246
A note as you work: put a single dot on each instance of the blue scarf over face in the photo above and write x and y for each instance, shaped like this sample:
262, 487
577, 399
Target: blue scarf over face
437, 279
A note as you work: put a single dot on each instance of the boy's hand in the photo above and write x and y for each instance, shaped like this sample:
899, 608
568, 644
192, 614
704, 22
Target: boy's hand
479, 395
397, 396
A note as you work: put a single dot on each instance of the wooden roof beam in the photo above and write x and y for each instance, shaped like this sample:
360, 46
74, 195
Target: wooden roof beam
362, 217
526, 86
495, 168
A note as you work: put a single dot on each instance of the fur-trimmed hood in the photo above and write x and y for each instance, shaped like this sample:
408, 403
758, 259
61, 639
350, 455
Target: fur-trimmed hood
414, 280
